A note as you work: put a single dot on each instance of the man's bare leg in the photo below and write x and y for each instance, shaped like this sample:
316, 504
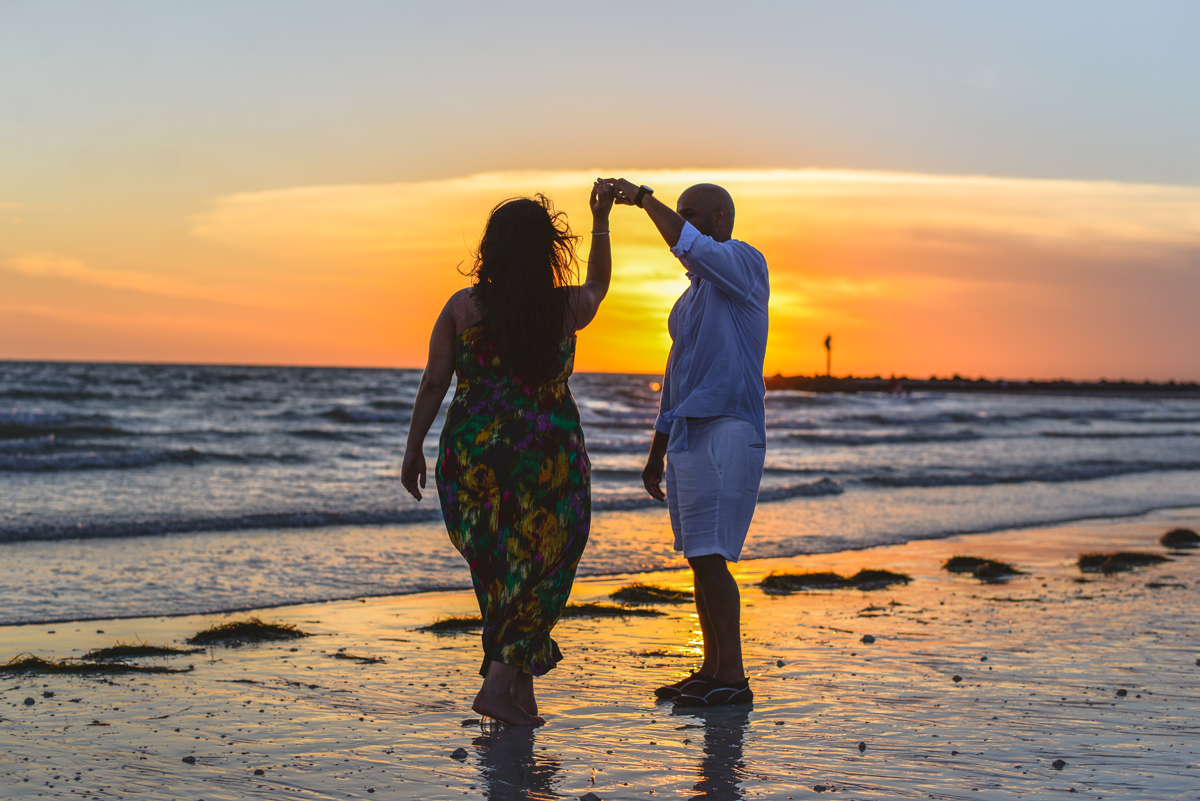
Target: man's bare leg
495, 698
709, 666
522, 692
722, 606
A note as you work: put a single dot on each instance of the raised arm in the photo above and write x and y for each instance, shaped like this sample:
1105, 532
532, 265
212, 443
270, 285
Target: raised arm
665, 219
587, 297
700, 235
439, 371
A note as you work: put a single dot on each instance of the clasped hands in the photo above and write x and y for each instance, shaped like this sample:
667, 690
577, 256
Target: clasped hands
607, 191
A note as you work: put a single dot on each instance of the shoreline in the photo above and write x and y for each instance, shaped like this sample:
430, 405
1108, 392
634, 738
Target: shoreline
1096, 671
465, 587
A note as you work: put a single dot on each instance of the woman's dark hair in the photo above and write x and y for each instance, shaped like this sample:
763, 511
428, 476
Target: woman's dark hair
526, 256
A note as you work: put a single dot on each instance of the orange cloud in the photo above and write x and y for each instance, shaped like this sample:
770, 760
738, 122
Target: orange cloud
912, 274
886, 261
56, 266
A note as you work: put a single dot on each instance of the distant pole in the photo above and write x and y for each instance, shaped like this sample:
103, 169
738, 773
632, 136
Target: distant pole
829, 355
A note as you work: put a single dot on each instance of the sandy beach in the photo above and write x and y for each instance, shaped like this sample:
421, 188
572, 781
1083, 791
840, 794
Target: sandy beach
1053, 683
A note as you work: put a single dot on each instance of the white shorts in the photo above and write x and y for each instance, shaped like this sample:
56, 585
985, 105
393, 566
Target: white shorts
712, 487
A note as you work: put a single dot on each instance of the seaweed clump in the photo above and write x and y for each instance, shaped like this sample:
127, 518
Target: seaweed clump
608, 610
454, 624
783, 583
136, 651
985, 569
651, 594
1181, 538
244, 632
29, 664
1117, 562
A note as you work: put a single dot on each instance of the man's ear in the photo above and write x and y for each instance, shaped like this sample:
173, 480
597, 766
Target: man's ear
719, 218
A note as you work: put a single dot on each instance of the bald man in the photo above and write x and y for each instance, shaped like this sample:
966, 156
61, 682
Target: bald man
710, 435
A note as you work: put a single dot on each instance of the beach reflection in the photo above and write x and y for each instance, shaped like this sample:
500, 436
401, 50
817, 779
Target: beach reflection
721, 767
508, 768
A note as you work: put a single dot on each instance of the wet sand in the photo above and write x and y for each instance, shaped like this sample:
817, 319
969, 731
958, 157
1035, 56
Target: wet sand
1040, 661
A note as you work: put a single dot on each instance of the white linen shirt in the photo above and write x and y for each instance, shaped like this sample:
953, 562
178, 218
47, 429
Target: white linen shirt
718, 330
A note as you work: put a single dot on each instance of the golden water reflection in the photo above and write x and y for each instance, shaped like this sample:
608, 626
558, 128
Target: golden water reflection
722, 767
509, 768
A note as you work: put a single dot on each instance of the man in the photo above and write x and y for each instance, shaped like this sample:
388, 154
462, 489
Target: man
711, 420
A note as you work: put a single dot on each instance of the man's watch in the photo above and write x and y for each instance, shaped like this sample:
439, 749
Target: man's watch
643, 190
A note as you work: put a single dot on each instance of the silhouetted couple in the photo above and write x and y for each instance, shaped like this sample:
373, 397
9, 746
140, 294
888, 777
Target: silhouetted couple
512, 472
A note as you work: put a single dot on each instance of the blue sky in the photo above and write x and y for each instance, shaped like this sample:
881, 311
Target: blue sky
262, 94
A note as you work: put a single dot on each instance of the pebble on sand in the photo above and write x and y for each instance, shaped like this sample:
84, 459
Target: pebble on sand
867, 639
862, 747
191, 760
30, 702
1058, 764
956, 679
458, 753
589, 797
1122, 693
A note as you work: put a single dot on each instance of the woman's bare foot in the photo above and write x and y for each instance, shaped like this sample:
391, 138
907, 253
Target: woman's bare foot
504, 708
522, 693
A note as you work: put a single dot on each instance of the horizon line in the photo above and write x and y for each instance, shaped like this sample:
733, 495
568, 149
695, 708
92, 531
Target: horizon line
778, 375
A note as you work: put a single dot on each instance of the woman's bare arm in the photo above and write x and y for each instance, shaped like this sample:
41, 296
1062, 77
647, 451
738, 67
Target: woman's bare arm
439, 371
587, 297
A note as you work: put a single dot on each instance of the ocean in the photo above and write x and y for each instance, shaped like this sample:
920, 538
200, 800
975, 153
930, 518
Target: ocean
135, 490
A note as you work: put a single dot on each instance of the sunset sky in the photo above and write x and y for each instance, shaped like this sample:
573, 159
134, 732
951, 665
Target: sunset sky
990, 189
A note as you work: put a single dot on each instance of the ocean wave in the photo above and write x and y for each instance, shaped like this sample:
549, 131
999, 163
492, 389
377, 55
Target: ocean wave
57, 461
813, 489
640, 500
49, 394
782, 426
884, 439
267, 520
1118, 434
598, 445
322, 519
27, 425
623, 473
926, 419
26, 446
639, 423
324, 434
1051, 474
350, 414
391, 404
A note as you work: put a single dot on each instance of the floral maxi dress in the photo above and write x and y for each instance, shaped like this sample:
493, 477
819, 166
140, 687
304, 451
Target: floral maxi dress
515, 487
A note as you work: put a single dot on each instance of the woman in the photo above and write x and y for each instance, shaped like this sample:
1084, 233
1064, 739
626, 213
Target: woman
512, 472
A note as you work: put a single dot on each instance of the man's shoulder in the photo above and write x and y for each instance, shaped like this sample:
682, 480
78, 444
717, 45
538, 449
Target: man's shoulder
747, 248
